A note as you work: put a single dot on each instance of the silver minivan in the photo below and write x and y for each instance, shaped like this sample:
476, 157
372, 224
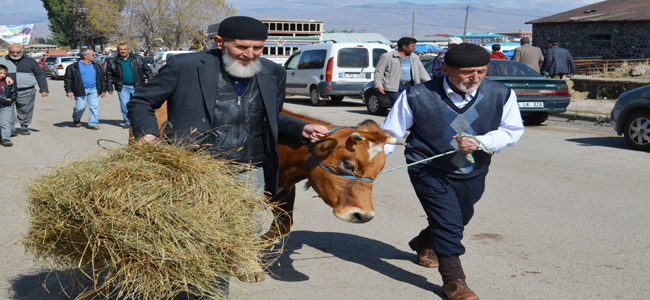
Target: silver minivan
332, 71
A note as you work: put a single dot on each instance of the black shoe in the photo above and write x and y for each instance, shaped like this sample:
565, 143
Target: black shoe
14, 133
6, 143
126, 126
25, 131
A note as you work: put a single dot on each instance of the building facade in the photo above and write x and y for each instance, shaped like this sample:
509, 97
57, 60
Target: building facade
613, 29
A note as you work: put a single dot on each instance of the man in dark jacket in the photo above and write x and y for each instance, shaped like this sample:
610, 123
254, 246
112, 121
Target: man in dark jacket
226, 100
127, 72
557, 61
84, 80
26, 72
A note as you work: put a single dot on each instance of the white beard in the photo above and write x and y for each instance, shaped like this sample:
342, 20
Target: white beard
462, 87
235, 69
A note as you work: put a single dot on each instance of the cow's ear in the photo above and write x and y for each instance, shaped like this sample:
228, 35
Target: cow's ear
322, 148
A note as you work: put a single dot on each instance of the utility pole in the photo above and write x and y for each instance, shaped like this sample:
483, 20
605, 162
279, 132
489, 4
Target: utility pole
465, 30
413, 26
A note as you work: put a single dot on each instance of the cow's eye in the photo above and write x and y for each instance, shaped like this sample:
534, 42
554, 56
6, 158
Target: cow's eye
348, 166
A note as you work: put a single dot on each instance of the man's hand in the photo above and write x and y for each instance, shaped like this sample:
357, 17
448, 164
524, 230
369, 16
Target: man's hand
111, 92
69, 95
315, 132
465, 144
44, 94
381, 90
9, 81
103, 94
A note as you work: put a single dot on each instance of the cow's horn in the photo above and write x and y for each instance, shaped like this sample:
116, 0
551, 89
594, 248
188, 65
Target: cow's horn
394, 141
357, 137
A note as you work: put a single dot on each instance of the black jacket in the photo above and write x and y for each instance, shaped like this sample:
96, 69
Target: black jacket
114, 72
189, 84
8, 92
72, 79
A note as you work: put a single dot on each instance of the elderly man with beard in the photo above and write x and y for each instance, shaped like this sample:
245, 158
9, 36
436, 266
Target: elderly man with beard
26, 72
226, 100
436, 113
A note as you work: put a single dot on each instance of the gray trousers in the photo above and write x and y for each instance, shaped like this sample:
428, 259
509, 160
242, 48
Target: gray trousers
6, 117
24, 108
255, 178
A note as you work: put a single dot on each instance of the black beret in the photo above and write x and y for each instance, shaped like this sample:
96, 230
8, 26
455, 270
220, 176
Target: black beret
243, 28
467, 55
553, 42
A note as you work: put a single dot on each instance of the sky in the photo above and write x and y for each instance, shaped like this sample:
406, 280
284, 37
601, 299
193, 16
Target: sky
32, 11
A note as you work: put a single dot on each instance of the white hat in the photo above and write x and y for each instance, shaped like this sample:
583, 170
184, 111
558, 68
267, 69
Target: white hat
455, 40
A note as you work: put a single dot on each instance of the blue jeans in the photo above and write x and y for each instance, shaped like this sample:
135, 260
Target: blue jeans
6, 118
125, 95
92, 100
394, 95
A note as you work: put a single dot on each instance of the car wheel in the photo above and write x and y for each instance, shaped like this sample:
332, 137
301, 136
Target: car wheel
373, 104
535, 118
314, 97
53, 76
637, 131
337, 98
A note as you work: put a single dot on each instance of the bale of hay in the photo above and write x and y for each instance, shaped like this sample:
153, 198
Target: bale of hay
147, 221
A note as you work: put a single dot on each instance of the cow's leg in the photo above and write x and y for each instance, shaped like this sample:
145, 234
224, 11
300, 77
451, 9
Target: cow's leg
283, 214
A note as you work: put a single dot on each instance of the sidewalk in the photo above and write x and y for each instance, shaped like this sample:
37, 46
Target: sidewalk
587, 110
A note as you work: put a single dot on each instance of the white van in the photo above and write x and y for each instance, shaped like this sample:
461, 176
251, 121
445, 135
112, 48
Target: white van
331, 71
161, 58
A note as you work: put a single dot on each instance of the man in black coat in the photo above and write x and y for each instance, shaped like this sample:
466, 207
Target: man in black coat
127, 72
84, 80
227, 100
557, 61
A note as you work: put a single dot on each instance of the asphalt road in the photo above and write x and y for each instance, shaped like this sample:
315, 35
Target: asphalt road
563, 217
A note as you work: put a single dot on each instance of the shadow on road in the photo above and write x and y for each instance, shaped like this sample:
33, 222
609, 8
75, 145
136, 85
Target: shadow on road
84, 124
612, 142
366, 252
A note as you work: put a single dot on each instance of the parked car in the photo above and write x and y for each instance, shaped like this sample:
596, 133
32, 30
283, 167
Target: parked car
47, 63
162, 57
102, 60
57, 69
41, 60
631, 117
332, 71
537, 96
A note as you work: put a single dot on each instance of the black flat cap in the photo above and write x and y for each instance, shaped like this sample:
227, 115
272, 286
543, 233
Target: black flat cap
467, 55
243, 28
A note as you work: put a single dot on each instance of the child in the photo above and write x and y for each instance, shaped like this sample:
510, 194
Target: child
7, 98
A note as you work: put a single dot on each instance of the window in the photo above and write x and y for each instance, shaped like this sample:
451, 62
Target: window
292, 62
353, 58
376, 53
314, 59
271, 26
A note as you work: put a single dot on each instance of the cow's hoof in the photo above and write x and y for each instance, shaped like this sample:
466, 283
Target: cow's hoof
252, 277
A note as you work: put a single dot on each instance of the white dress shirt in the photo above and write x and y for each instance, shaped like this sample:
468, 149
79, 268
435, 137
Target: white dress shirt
400, 119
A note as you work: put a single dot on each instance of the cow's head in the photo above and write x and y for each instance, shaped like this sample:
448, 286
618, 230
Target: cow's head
351, 158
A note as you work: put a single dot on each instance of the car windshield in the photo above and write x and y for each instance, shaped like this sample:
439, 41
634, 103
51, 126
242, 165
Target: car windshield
148, 59
68, 59
50, 59
353, 58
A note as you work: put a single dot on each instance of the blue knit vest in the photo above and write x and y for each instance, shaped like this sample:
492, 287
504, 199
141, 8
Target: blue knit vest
436, 119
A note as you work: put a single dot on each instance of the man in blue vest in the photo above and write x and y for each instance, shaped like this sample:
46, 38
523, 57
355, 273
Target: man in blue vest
436, 113
127, 72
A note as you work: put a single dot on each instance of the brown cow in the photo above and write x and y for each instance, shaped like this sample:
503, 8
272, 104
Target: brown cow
340, 168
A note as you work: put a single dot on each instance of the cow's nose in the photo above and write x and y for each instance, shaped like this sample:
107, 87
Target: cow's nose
362, 217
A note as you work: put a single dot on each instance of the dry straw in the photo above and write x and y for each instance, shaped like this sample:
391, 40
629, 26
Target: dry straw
146, 222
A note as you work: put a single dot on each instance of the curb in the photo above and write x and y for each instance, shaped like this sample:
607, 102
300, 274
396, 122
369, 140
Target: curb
570, 116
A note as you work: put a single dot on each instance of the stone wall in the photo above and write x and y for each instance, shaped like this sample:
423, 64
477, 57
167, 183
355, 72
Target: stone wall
602, 87
612, 40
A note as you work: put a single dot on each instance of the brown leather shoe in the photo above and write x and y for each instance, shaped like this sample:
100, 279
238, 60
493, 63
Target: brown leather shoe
458, 290
426, 256
76, 123
94, 127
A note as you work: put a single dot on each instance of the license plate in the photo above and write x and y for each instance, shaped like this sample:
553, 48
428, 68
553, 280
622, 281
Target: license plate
531, 104
352, 75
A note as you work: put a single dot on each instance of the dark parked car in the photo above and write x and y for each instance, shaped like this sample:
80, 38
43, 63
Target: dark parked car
631, 117
537, 96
